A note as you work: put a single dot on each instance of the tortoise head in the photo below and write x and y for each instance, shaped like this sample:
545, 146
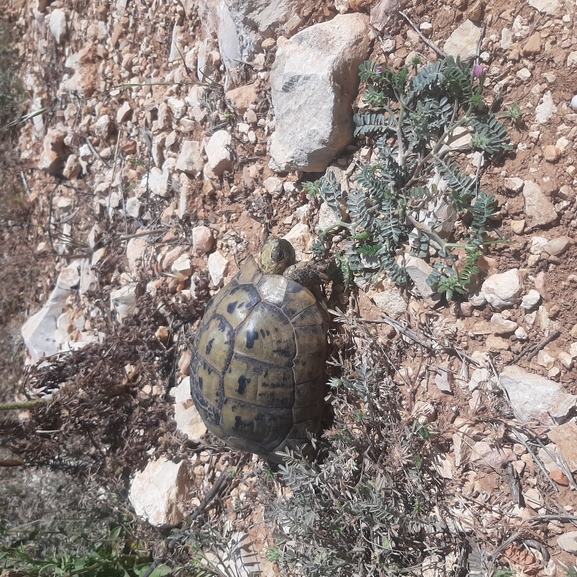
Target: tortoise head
276, 256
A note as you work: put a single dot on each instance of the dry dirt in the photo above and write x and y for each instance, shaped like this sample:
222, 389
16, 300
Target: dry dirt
241, 218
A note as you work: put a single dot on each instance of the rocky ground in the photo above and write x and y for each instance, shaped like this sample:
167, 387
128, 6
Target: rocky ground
149, 179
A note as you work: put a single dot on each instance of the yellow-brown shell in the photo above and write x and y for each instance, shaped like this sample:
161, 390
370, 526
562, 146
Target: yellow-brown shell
258, 361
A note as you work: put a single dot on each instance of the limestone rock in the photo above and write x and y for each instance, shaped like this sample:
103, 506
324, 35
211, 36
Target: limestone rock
383, 14
530, 300
568, 542
502, 326
534, 397
156, 181
242, 97
202, 240
219, 153
502, 290
241, 25
546, 109
564, 436
58, 25
39, 331
217, 267
134, 251
551, 153
557, 246
390, 300
54, 151
187, 418
190, 159
514, 184
539, 209
300, 237
182, 266
419, 271
549, 7
463, 41
72, 167
314, 81
123, 300
533, 45
160, 494
123, 113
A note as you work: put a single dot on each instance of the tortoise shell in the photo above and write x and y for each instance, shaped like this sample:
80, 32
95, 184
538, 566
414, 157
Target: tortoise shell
258, 360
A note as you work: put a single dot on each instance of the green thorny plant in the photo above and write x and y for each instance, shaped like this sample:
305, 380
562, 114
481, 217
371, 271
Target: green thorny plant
416, 116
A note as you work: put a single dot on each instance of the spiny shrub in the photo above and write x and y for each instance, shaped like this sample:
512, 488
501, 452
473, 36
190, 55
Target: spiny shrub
421, 120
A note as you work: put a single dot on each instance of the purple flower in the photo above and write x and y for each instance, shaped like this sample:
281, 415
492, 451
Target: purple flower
379, 70
478, 71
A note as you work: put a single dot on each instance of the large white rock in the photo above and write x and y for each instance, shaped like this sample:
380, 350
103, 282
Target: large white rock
314, 81
463, 41
187, 418
503, 290
241, 25
219, 152
550, 7
160, 494
58, 24
540, 211
534, 397
190, 158
568, 542
39, 331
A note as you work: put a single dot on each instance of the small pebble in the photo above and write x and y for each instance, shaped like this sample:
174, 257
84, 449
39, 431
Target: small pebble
518, 226
551, 153
565, 359
202, 240
557, 246
530, 300
574, 102
559, 478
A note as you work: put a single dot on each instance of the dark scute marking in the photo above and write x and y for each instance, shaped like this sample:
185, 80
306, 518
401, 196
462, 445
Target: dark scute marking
240, 425
209, 346
200, 383
295, 81
231, 308
242, 383
251, 337
283, 353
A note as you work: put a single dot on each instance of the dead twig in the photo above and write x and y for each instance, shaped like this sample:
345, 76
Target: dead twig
423, 38
534, 349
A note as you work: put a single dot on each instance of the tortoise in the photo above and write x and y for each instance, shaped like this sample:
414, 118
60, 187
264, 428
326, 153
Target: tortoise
258, 356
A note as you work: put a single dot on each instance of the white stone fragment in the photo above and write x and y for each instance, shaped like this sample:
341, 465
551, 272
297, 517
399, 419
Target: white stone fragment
463, 41
161, 493
534, 397
217, 267
314, 82
568, 542
190, 159
503, 290
531, 300
182, 266
202, 240
123, 300
186, 415
218, 151
57, 24
546, 109
549, 7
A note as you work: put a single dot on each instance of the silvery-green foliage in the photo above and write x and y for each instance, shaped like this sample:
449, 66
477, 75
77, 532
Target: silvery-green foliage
413, 115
